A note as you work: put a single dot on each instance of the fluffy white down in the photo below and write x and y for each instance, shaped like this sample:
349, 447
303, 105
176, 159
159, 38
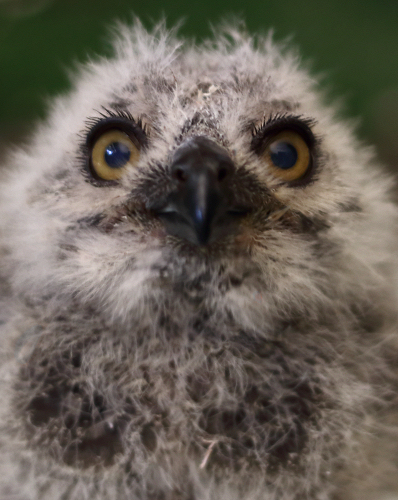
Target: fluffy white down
198, 359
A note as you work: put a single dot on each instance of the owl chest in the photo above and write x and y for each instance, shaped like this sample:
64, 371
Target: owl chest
220, 398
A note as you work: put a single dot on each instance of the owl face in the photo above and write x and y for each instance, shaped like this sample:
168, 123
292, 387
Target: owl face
168, 165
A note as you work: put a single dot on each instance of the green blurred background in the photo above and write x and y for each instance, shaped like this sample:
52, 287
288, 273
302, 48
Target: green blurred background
352, 43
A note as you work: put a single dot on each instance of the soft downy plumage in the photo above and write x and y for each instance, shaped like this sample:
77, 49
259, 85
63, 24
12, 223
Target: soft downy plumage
256, 362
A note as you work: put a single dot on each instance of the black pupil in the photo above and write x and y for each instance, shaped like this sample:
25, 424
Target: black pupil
283, 155
117, 155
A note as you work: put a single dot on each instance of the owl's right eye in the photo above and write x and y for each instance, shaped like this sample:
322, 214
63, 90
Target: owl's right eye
112, 154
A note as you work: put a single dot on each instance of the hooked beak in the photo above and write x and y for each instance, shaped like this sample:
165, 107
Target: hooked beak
200, 208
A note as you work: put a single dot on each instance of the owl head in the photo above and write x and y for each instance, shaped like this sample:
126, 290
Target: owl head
213, 171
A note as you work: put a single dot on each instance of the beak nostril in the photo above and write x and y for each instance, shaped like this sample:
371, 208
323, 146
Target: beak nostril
222, 173
180, 175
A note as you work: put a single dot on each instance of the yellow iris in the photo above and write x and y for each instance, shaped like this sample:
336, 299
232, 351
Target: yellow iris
113, 152
288, 155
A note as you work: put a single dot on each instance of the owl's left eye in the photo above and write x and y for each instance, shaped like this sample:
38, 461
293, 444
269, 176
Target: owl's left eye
288, 155
288, 148
112, 153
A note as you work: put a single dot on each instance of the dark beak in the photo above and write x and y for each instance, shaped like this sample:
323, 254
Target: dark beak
200, 208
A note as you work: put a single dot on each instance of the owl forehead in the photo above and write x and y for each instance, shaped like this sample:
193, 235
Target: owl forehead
175, 106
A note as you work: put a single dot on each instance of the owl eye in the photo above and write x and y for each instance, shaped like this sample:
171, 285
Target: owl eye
288, 155
112, 153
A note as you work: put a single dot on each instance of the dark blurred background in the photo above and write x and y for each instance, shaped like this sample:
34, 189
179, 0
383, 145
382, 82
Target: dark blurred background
352, 43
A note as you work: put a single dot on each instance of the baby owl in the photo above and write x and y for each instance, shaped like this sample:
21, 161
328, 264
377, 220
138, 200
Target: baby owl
198, 289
